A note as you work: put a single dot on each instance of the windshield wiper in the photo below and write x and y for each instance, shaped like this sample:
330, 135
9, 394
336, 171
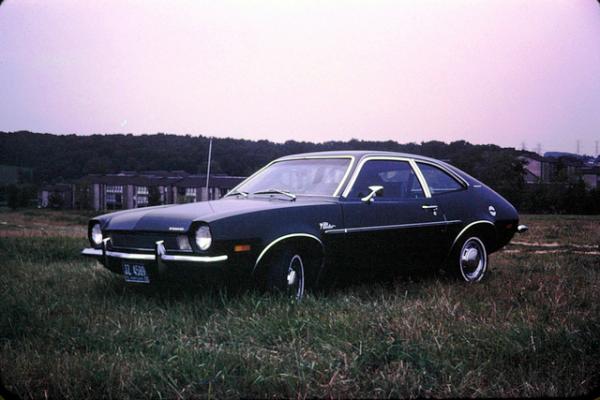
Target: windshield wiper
292, 196
238, 192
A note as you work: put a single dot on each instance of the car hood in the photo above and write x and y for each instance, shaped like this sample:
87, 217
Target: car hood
179, 218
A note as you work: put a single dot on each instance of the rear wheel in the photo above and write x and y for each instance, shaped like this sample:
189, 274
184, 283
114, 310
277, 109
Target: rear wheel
470, 260
286, 273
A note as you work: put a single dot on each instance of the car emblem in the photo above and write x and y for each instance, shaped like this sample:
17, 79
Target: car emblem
492, 211
326, 225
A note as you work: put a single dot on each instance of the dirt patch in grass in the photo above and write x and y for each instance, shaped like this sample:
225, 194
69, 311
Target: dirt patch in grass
563, 229
43, 223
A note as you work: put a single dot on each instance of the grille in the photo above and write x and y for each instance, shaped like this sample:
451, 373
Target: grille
137, 240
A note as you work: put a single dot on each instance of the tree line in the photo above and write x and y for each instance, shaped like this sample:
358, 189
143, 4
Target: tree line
58, 158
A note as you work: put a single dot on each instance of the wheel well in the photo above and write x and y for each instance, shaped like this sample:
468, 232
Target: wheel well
484, 231
312, 246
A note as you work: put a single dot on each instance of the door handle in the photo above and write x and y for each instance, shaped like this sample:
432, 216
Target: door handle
433, 208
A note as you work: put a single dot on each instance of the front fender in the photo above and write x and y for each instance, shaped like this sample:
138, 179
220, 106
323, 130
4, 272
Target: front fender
268, 228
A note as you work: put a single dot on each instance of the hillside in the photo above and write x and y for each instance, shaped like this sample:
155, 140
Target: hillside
58, 157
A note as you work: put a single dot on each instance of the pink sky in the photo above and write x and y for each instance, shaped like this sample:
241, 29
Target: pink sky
493, 71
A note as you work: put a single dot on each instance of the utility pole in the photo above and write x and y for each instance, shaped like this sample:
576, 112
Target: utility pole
208, 168
538, 149
523, 146
596, 149
578, 146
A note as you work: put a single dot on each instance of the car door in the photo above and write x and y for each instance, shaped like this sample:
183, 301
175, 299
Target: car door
448, 191
400, 227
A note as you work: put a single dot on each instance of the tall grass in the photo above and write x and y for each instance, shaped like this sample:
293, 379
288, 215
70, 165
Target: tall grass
68, 328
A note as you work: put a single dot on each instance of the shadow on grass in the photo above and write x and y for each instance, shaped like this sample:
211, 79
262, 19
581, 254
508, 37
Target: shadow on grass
220, 292
169, 290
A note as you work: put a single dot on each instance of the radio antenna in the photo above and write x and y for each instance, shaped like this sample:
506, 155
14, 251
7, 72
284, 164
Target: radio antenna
208, 168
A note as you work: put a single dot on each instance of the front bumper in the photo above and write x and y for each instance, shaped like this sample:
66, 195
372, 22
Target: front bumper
159, 256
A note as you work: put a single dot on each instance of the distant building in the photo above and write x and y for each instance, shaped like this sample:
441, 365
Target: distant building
591, 176
193, 188
550, 170
56, 196
539, 169
129, 189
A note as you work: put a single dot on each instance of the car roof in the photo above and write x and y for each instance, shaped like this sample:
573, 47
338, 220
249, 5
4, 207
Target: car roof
358, 154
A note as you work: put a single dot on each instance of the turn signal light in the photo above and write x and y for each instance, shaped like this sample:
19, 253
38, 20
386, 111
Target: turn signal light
238, 248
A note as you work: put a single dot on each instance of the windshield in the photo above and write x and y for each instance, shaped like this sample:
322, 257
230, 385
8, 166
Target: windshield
316, 176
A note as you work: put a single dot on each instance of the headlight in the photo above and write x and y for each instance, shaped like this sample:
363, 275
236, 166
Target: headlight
96, 234
203, 237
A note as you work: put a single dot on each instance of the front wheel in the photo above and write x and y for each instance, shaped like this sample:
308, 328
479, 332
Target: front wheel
470, 260
286, 273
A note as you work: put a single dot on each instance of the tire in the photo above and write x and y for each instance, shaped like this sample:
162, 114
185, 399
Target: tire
469, 260
286, 273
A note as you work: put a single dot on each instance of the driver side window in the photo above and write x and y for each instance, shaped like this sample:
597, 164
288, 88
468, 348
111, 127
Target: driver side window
397, 178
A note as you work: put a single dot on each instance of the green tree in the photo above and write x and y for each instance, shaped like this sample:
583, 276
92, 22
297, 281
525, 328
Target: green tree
12, 194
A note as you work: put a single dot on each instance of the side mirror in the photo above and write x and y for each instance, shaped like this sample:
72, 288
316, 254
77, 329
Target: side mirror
371, 196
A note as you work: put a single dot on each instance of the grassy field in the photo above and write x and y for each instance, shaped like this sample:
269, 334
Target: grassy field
68, 328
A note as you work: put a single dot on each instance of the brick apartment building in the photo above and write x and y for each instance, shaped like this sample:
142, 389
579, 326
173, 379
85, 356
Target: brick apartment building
128, 189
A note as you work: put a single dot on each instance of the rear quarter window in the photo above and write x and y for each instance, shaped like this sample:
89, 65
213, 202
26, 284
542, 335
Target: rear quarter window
438, 180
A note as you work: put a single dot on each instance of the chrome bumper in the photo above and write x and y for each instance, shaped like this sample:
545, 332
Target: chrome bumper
522, 228
158, 256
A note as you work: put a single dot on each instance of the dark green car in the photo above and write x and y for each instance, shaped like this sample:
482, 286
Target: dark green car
305, 215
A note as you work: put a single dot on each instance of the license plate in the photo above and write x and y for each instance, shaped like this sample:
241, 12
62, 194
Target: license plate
135, 273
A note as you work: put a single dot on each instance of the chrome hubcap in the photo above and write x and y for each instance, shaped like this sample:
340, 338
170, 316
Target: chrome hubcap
295, 277
473, 259
291, 277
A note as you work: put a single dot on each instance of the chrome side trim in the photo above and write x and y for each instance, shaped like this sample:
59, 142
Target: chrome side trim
337, 190
388, 227
482, 221
151, 257
279, 239
362, 162
421, 178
